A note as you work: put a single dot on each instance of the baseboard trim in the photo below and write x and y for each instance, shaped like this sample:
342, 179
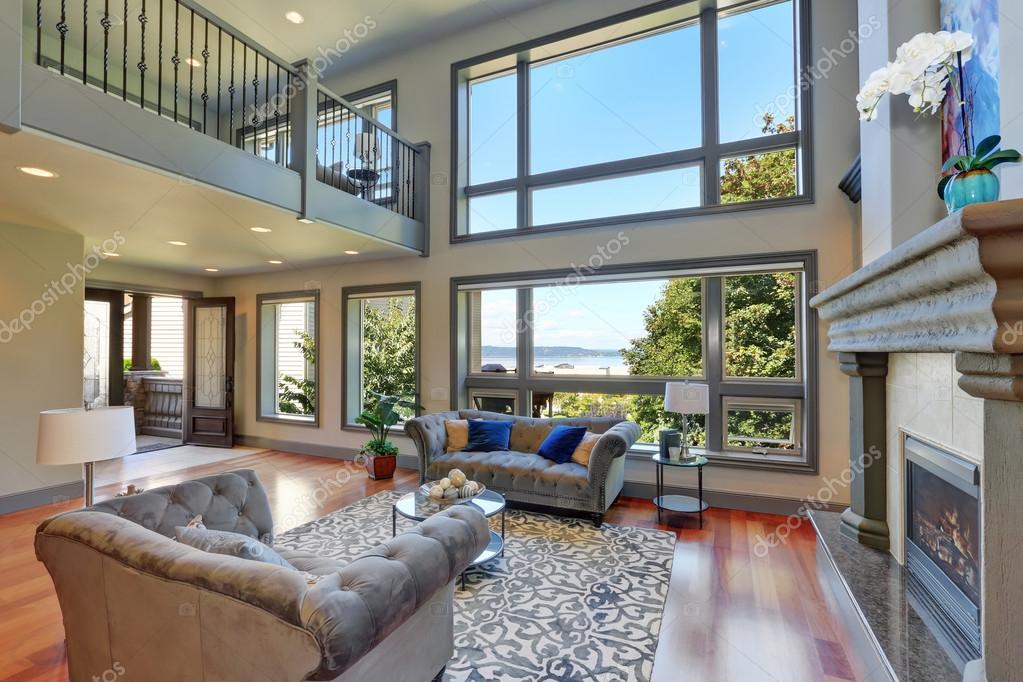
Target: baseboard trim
41, 496
764, 504
315, 449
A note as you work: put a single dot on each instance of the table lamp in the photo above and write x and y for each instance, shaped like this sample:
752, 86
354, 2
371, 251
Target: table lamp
84, 436
684, 398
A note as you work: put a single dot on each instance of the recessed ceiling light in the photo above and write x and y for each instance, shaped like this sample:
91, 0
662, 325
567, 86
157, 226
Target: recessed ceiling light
177, 243
212, 269
37, 172
261, 229
111, 254
275, 262
294, 17
193, 62
351, 253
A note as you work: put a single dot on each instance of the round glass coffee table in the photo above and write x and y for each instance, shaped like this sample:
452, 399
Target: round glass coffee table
419, 507
680, 503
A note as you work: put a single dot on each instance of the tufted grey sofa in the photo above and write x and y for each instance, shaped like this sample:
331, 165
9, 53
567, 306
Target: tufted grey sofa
139, 604
523, 476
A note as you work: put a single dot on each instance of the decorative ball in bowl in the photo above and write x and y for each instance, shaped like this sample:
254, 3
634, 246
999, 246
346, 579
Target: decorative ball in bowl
455, 488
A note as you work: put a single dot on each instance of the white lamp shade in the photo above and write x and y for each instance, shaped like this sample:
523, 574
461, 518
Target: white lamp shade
682, 397
76, 435
366, 147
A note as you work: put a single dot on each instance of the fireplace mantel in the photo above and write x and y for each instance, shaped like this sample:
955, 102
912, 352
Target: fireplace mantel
955, 287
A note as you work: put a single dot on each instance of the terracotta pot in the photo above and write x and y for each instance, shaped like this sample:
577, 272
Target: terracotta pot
381, 466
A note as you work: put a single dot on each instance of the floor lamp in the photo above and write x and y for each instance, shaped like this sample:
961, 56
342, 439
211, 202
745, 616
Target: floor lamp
84, 436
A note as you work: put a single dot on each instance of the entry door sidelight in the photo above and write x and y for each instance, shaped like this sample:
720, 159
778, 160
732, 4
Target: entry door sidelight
209, 372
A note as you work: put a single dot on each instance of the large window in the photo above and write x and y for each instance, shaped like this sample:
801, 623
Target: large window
560, 345
288, 356
685, 110
381, 328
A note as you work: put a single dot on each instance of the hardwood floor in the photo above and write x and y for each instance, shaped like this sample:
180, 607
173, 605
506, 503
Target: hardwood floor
731, 614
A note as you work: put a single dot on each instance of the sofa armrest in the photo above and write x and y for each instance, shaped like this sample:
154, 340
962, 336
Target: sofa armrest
614, 443
430, 436
353, 610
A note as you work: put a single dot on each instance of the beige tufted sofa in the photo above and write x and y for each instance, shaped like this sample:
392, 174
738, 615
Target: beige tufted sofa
519, 473
139, 606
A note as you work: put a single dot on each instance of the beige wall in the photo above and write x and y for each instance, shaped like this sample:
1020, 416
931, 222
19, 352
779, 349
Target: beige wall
40, 364
423, 93
925, 401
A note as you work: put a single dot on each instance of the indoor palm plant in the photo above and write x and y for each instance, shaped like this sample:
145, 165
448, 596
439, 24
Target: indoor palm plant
380, 417
926, 69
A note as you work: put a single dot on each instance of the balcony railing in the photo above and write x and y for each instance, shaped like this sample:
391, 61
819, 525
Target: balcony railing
358, 155
178, 61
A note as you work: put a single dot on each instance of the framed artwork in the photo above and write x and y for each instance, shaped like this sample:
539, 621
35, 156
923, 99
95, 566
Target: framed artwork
979, 18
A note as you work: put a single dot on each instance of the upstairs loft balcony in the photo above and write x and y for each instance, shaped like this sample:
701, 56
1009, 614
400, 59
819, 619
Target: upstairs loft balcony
170, 87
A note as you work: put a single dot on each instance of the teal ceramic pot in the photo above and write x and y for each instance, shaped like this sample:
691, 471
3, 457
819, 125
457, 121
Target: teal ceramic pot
973, 187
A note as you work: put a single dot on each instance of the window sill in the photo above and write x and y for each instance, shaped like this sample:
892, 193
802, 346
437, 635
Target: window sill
295, 420
642, 452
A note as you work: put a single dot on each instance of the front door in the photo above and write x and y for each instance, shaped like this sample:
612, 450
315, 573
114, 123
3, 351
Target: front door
209, 372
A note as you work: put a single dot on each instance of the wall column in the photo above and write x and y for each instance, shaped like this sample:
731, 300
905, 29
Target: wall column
866, 520
141, 326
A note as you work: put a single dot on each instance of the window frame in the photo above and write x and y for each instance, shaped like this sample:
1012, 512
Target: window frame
351, 352
713, 270
709, 156
287, 297
390, 87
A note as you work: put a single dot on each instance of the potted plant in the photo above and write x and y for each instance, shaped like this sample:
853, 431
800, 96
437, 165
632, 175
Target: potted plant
381, 454
926, 68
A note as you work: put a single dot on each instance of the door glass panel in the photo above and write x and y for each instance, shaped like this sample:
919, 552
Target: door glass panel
210, 353
96, 361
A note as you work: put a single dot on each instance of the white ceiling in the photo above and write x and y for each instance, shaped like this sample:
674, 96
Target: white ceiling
393, 25
97, 196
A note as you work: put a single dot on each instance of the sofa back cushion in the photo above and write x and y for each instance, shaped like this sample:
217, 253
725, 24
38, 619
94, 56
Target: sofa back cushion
233, 501
594, 424
528, 434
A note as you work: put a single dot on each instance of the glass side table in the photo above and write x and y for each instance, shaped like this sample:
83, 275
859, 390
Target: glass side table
680, 503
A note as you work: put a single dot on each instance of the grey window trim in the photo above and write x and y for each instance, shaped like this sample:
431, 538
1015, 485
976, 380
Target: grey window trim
390, 86
708, 156
284, 296
525, 382
348, 348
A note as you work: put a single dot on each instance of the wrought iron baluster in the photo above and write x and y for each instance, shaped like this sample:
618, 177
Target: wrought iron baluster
230, 90
287, 117
255, 100
85, 42
143, 20
159, 63
62, 28
105, 23
124, 55
281, 158
205, 72
176, 59
266, 101
220, 61
241, 132
191, 68
39, 32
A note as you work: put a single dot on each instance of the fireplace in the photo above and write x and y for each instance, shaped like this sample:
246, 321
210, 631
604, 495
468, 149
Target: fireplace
943, 545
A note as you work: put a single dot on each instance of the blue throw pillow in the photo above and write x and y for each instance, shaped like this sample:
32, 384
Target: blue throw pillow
486, 435
561, 442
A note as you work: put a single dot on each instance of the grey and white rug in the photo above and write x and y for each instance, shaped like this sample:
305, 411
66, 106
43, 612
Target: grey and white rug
568, 602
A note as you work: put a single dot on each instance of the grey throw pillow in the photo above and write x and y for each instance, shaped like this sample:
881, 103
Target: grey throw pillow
232, 544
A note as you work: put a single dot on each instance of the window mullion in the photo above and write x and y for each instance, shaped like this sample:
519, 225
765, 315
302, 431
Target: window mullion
714, 356
524, 353
523, 217
710, 98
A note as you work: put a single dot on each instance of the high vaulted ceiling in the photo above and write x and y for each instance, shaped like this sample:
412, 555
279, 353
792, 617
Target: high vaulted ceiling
367, 29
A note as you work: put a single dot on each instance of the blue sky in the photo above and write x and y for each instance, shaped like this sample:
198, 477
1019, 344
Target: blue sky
633, 99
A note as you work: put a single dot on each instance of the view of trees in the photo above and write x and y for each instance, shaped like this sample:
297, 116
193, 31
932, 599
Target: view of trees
764, 176
298, 396
389, 349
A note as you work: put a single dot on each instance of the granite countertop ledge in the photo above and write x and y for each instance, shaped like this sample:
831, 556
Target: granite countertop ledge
876, 581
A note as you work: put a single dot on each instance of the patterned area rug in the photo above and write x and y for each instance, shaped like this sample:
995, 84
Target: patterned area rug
567, 602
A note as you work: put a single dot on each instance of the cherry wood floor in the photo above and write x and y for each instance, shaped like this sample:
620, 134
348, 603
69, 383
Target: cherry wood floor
731, 613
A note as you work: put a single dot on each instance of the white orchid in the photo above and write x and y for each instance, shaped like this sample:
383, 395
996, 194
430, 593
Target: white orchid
922, 69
